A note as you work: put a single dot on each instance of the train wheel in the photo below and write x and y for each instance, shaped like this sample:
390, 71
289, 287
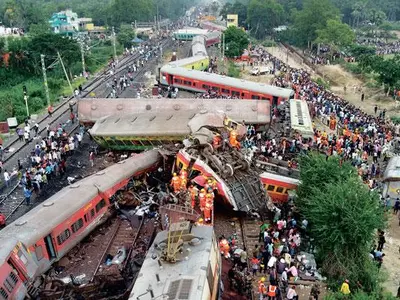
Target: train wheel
228, 170
208, 149
245, 165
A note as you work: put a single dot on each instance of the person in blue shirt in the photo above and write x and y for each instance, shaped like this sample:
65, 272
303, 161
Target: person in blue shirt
27, 195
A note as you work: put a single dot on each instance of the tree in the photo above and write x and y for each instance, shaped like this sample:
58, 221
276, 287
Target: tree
125, 36
313, 16
376, 17
263, 16
236, 40
336, 34
343, 215
358, 50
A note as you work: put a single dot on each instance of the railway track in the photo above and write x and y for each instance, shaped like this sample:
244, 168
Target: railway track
16, 197
12, 199
61, 110
86, 262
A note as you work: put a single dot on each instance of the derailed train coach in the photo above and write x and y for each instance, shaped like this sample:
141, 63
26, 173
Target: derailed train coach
31, 244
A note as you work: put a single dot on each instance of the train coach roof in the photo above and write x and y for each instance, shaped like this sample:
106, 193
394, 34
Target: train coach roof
191, 60
191, 30
277, 177
251, 111
143, 125
42, 219
173, 68
392, 172
192, 268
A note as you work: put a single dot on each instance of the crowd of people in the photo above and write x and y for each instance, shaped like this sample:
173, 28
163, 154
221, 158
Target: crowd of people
274, 262
349, 132
48, 159
120, 83
382, 46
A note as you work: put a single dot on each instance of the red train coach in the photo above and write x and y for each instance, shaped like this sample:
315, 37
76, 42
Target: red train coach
31, 244
277, 186
196, 81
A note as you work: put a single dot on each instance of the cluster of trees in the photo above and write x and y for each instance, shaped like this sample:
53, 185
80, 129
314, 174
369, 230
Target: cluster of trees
307, 18
24, 68
28, 13
343, 217
236, 40
387, 70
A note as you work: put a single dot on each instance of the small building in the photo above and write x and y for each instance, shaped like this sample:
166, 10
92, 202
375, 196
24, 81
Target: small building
67, 23
232, 20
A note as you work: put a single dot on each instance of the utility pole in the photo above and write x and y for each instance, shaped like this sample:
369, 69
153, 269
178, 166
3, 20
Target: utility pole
223, 47
65, 72
158, 19
46, 87
26, 100
83, 59
115, 49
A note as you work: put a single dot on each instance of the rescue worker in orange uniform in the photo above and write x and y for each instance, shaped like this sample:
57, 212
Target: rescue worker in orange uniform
224, 247
194, 193
202, 199
207, 212
209, 207
183, 182
176, 183
272, 292
262, 289
233, 139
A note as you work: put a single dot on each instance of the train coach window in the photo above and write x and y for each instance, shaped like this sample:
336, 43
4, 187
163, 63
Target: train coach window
263, 98
10, 282
255, 97
225, 91
100, 205
63, 237
3, 294
22, 257
176, 80
77, 225
235, 94
205, 86
215, 88
270, 188
187, 82
280, 190
92, 213
39, 252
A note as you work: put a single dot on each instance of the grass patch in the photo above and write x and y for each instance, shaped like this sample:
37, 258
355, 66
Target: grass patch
66, 90
233, 70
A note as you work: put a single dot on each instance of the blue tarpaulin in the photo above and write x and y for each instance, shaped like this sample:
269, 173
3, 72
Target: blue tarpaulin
137, 40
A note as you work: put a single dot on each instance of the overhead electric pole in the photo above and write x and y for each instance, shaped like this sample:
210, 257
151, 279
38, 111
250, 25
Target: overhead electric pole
66, 74
114, 45
46, 87
26, 100
83, 59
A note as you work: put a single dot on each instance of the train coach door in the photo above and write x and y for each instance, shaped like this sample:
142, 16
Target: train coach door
170, 79
274, 101
50, 247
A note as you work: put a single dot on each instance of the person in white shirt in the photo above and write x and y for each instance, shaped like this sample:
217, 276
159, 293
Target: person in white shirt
291, 293
6, 177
